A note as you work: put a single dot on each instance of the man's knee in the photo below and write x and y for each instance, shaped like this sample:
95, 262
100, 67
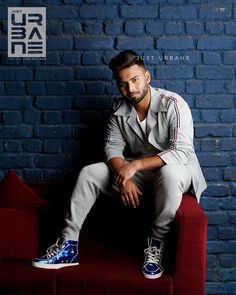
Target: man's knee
168, 173
173, 177
94, 171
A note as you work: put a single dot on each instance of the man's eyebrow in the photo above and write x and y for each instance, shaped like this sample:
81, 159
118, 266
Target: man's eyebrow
129, 79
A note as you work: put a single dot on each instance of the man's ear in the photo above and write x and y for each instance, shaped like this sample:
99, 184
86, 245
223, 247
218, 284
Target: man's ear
147, 76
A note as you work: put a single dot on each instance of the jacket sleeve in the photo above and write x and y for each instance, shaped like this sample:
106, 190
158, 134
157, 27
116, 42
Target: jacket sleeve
114, 141
179, 120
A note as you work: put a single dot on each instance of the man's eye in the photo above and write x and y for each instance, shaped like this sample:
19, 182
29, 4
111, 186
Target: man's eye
122, 84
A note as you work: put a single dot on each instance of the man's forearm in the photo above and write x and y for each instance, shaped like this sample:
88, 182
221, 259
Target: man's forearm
123, 172
115, 164
149, 163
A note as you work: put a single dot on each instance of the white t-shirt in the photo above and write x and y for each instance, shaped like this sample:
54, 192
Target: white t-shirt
143, 125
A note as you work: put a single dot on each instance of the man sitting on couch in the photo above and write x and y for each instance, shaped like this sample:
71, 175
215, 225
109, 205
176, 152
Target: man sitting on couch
156, 125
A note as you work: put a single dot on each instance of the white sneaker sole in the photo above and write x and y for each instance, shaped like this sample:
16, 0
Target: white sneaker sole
151, 277
52, 266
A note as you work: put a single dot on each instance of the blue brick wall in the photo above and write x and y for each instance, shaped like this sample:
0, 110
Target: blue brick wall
53, 112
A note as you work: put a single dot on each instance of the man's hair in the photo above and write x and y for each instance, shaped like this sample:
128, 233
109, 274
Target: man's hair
125, 59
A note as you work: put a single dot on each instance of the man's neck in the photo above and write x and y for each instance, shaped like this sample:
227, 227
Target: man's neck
142, 107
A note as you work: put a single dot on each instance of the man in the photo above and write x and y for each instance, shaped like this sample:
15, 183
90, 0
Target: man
157, 127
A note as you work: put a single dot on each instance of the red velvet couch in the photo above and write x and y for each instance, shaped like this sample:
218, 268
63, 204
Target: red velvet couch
111, 245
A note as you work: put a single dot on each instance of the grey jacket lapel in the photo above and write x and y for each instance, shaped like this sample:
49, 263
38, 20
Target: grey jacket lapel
127, 110
156, 105
132, 121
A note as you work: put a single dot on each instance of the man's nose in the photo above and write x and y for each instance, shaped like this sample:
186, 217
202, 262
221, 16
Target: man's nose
131, 87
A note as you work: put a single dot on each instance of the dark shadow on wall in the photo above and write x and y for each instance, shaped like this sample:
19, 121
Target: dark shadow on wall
90, 129
92, 135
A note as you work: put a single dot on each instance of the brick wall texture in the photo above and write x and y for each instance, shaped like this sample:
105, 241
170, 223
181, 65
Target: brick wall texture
53, 111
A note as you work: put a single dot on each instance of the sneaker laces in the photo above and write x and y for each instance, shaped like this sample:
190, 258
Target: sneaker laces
153, 255
55, 248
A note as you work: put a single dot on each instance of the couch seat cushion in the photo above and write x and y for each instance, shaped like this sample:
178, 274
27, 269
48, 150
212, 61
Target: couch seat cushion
110, 274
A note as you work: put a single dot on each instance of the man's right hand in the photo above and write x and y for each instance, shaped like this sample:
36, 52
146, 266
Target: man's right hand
130, 193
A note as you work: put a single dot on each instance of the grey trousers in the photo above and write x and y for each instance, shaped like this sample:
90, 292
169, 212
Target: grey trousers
167, 185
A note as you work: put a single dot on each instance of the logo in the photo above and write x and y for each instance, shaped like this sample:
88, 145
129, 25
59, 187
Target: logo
27, 32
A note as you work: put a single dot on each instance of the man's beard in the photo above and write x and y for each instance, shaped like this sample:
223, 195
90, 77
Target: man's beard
135, 101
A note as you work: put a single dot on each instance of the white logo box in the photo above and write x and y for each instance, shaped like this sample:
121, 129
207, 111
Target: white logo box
26, 31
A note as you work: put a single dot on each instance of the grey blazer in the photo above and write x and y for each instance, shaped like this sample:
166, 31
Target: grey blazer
169, 134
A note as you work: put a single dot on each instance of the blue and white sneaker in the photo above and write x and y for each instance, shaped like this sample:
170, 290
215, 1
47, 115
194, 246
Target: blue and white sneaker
63, 253
152, 268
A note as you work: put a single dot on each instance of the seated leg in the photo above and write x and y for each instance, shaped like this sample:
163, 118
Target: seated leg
169, 184
92, 180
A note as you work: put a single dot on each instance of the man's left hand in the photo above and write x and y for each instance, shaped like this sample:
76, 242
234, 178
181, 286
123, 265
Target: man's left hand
125, 173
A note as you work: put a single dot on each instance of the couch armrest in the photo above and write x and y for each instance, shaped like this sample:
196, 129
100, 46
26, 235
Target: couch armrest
18, 234
190, 262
